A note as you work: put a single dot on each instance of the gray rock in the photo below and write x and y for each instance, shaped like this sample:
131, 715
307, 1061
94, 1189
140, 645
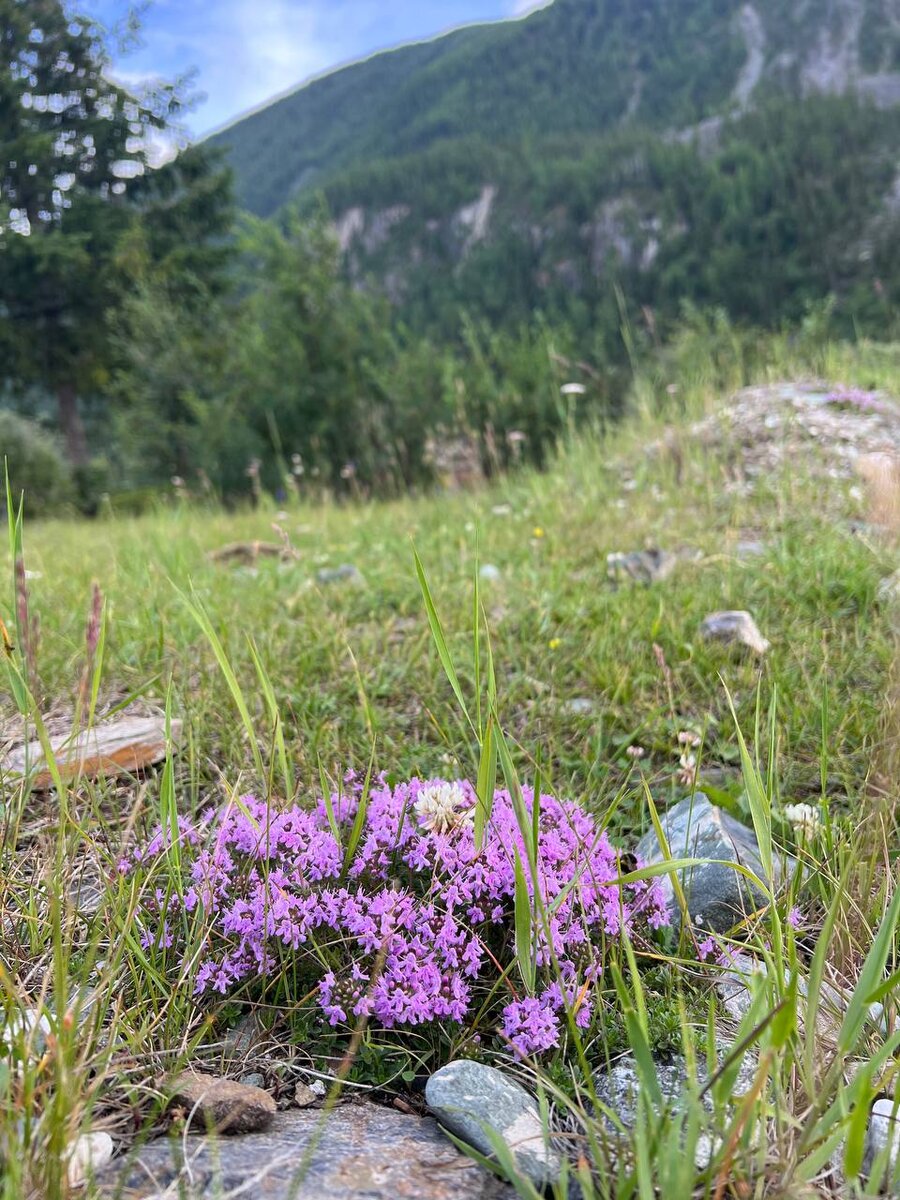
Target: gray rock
469, 1097
579, 706
734, 628
717, 895
866, 530
240, 1038
253, 1079
643, 566
346, 573
357, 1151
750, 548
619, 1087
882, 1148
735, 988
211, 1102
489, 573
889, 589
735, 985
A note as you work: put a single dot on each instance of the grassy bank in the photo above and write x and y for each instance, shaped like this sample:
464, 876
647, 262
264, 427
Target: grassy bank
586, 668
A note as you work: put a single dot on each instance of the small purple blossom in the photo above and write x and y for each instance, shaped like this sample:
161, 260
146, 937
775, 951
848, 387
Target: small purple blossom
531, 1025
716, 950
707, 948
795, 918
412, 930
861, 400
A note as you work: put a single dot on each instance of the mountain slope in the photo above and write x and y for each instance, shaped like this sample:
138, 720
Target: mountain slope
577, 67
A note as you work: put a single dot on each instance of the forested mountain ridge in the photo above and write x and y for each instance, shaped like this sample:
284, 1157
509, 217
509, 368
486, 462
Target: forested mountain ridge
576, 67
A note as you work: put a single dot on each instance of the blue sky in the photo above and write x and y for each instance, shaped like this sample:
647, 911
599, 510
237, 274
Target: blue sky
245, 51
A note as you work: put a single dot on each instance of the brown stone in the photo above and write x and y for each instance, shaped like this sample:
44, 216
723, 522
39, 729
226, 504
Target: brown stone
250, 552
211, 1102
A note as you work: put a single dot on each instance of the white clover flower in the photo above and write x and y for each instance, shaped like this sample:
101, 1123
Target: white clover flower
687, 773
441, 807
687, 737
805, 818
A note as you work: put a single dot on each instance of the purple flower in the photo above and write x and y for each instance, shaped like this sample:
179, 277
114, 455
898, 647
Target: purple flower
420, 925
859, 399
531, 1026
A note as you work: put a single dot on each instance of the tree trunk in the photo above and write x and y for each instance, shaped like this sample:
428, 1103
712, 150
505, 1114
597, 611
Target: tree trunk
70, 424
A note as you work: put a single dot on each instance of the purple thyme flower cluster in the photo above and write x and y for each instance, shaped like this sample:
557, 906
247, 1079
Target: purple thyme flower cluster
867, 402
419, 925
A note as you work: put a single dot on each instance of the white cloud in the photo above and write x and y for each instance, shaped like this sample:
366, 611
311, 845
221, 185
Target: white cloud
255, 49
245, 51
521, 8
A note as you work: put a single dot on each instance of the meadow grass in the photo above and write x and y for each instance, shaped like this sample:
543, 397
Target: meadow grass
336, 676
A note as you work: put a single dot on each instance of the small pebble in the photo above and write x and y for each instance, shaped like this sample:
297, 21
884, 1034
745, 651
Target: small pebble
90, 1152
304, 1095
734, 627
882, 1145
345, 573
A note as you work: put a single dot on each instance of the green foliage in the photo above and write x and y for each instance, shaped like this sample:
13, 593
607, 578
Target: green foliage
36, 465
308, 375
879, 39
69, 141
304, 343
168, 332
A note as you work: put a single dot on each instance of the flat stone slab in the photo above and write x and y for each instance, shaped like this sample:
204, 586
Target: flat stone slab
118, 747
363, 1152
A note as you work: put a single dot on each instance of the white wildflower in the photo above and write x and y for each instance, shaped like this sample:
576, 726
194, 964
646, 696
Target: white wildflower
805, 818
440, 807
687, 773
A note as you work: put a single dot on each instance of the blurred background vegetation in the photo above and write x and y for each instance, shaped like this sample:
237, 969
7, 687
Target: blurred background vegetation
417, 253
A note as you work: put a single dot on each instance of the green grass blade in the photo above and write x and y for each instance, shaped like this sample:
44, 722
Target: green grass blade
524, 936
440, 641
333, 824
760, 808
274, 718
198, 612
486, 783
870, 977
